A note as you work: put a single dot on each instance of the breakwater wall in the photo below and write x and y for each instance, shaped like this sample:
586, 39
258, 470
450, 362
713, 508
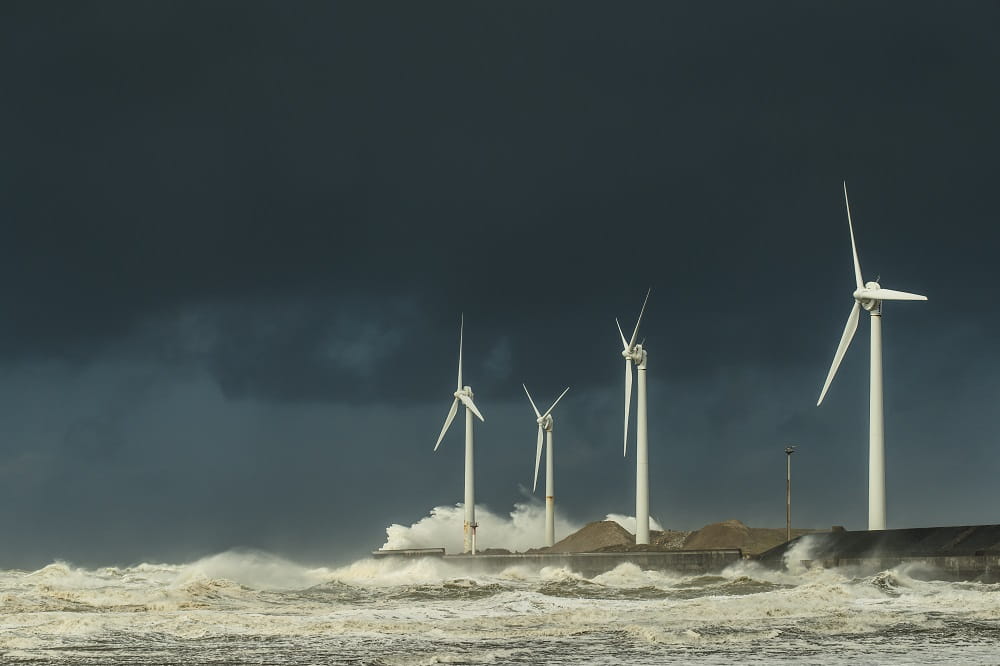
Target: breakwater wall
981, 568
967, 552
691, 562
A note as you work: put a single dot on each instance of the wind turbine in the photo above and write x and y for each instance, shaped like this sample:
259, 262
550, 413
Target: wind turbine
545, 426
869, 296
463, 394
634, 353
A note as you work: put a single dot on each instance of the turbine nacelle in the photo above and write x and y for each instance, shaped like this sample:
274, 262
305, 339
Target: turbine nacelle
637, 354
545, 422
867, 296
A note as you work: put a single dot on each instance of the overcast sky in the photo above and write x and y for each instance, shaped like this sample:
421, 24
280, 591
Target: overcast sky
236, 240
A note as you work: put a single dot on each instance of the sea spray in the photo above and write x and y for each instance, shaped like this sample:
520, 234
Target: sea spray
253, 568
795, 558
628, 522
397, 572
523, 528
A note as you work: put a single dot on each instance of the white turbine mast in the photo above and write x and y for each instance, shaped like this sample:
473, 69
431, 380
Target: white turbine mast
545, 424
869, 296
634, 353
463, 394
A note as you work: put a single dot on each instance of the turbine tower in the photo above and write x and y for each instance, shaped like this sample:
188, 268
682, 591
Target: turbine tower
869, 296
463, 394
634, 353
545, 426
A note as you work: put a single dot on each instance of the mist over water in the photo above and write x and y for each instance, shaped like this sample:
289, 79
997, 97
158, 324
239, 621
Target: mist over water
252, 607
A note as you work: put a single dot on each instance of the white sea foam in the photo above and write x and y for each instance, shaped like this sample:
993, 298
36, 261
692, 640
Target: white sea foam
259, 570
628, 575
434, 611
397, 572
798, 558
521, 529
628, 522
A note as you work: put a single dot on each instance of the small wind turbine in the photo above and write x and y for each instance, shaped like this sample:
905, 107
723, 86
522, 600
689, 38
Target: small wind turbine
634, 353
463, 394
545, 425
869, 296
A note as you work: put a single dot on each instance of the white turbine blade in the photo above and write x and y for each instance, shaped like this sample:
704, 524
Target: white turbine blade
555, 403
845, 341
635, 333
891, 295
461, 332
447, 422
624, 341
538, 457
628, 399
467, 401
854, 248
532, 402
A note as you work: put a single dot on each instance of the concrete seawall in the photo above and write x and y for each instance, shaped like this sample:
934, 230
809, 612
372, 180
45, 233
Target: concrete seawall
969, 552
980, 568
690, 562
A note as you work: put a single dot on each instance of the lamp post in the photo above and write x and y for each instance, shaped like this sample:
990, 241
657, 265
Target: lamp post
789, 450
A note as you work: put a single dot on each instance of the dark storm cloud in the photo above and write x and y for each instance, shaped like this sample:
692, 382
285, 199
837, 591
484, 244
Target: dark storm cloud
236, 240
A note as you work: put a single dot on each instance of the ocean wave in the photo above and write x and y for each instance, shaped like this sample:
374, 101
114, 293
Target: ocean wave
418, 611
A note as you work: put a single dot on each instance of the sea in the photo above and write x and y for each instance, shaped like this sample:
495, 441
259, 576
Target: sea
251, 607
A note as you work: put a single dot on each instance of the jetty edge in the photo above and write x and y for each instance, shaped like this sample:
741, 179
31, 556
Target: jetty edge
693, 562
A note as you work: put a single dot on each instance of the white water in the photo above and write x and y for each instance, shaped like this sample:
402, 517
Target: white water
248, 607
628, 522
523, 528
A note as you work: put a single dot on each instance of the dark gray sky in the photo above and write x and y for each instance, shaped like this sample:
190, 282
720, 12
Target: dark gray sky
236, 238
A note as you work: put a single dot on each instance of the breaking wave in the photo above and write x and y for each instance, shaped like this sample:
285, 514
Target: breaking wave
522, 529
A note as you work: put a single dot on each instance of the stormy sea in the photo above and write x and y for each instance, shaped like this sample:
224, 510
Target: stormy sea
248, 607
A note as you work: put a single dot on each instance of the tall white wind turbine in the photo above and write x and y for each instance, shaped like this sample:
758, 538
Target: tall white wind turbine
634, 353
463, 394
545, 424
869, 296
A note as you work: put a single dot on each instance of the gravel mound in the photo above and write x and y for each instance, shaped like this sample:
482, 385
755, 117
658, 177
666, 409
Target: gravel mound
734, 534
594, 537
606, 536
